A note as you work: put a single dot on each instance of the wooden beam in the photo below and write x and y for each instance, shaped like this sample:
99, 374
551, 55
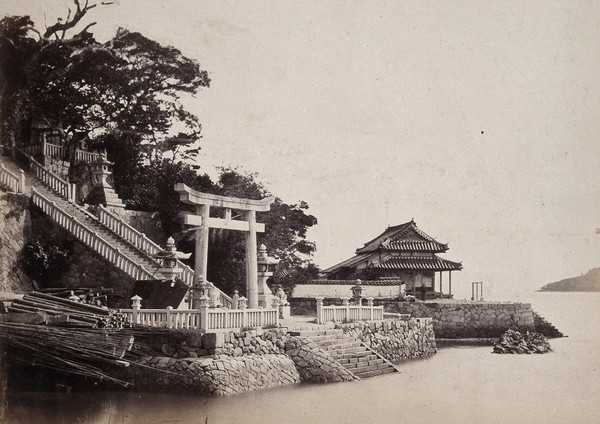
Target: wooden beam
193, 197
225, 224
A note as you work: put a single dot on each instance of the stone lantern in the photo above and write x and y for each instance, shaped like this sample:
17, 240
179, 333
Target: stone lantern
168, 258
266, 266
102, 192
357, 292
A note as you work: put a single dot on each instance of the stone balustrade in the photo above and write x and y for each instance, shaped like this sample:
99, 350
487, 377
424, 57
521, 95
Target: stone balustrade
90, 238
14, 182
144, 244
204, 318
348, 312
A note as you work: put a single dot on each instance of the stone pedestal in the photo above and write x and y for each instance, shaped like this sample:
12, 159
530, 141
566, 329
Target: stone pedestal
284, 311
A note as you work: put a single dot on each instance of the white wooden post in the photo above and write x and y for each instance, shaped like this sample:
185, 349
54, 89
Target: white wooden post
319, 310
135, 307
370, 305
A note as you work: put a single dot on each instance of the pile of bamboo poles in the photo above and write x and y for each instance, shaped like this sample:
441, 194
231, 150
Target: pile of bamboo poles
69, 350
72, 313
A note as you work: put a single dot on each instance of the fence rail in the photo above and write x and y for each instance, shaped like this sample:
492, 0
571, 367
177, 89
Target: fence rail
54, 182
203, 318
143, 243
90, 238
347, 312
59, 152
14, 182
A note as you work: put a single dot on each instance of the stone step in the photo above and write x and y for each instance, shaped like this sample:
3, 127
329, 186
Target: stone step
361, 364
346, 341
308, 333
368, 368
328, 337
354, 352
376, 373
350, 344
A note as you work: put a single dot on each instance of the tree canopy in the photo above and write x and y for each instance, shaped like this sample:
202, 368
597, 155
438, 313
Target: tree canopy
124, 95
128, 87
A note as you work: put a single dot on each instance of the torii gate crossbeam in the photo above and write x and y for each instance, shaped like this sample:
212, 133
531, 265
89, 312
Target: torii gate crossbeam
202, 220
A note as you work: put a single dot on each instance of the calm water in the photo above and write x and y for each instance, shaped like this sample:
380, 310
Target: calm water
458, 385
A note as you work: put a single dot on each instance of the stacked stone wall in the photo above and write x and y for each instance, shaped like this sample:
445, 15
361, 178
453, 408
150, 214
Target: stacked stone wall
86, 268
15, 231
212, 375
194, 344
395, 339
314, 364
471, 319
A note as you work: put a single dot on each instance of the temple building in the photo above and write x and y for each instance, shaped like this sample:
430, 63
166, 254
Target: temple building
402, 253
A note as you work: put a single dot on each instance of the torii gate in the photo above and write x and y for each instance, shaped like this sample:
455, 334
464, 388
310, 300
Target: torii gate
202, 219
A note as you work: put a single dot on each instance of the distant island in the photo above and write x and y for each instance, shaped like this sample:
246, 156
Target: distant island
589, 282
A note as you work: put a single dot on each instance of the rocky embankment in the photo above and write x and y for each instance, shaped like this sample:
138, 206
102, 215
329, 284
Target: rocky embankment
515, 342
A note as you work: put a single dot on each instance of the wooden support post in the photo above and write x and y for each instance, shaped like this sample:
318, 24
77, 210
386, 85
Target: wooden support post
450, 283
251, 261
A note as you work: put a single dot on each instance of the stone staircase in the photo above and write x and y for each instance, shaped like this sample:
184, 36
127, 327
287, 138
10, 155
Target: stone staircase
128, 249
349, 352
87, 228
545, 327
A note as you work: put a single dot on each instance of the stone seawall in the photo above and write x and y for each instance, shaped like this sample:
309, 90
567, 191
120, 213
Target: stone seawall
219, 375
469, 319
314, 364
395, 339
194, 344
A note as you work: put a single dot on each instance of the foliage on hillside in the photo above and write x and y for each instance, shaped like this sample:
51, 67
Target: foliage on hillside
124, 96
589, 282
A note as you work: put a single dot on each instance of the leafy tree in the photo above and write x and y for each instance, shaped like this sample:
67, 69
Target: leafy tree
286, 227
127, 88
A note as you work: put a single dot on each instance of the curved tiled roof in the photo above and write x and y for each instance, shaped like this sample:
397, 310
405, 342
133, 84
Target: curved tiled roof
434, 263
414, 246
353, 282
396, 234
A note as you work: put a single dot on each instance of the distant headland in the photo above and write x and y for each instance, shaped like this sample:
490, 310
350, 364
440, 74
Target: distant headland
589, 282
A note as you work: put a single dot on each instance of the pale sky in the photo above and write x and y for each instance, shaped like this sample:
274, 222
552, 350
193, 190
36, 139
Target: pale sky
373, 113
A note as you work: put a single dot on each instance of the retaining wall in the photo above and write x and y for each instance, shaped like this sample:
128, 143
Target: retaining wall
15, 231
395, 339
313, 363
467, 319
194, 344
212, 375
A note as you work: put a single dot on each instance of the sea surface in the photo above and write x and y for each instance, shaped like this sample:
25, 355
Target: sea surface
457, 385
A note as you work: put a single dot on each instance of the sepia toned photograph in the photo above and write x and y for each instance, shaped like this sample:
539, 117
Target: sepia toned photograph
299, 211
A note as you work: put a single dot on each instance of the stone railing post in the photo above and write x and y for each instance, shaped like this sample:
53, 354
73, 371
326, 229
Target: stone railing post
21, 181
203, 308
243, 303
370, 305
319, 310
169, 317
136, 305
346, 305
235, 299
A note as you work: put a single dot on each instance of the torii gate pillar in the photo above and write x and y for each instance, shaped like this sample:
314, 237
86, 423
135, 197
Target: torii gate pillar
202, 219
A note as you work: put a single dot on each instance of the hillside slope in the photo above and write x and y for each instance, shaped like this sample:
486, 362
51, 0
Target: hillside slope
589, 282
